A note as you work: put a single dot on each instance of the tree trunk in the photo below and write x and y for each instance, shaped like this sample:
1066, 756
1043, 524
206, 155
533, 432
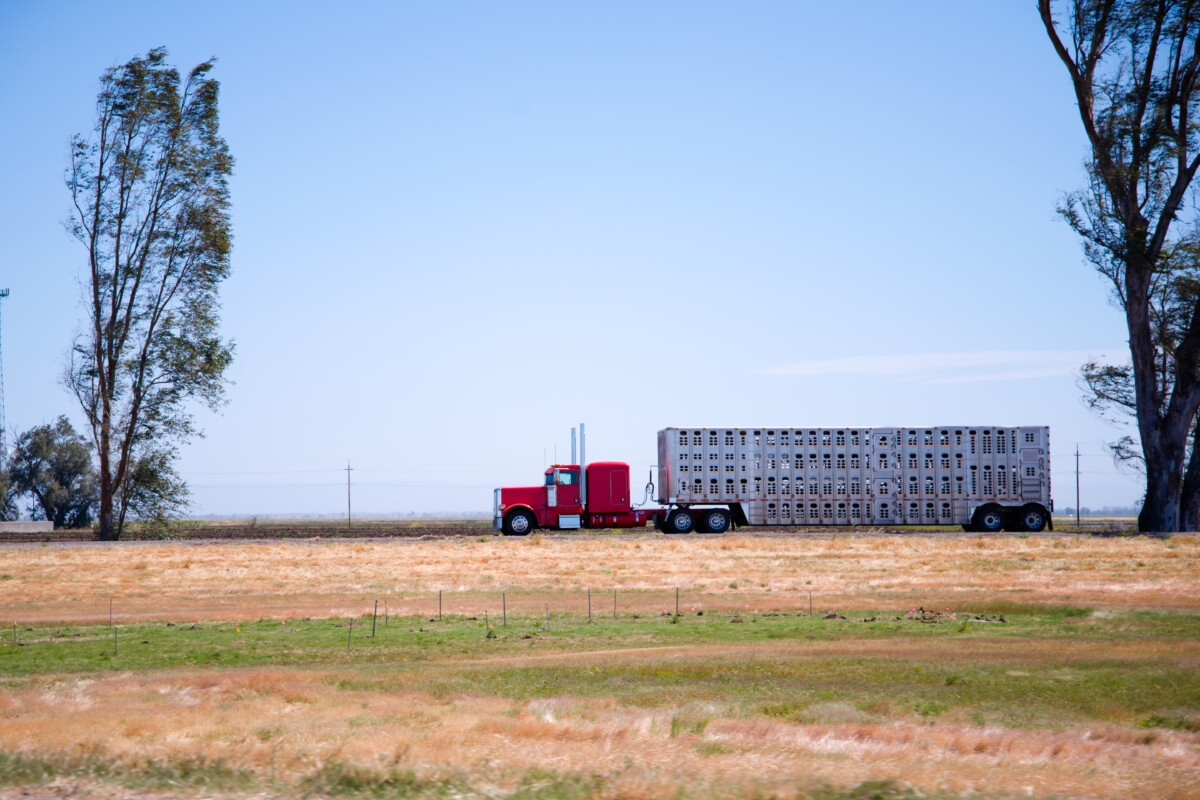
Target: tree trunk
108, 532
1189, 515
1160, 513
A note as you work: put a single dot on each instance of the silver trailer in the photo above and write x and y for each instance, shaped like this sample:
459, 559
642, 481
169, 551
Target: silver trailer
982, 477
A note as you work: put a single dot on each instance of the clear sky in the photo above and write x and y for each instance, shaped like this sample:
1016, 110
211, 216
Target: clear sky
462, 228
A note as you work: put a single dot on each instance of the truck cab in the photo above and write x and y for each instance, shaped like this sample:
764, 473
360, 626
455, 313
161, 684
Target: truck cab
571, 497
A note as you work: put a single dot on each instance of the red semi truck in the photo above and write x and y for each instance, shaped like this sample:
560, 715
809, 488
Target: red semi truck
985, 478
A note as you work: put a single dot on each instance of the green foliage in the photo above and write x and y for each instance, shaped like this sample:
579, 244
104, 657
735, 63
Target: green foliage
154, 492
8, 496
151, 207
52, 464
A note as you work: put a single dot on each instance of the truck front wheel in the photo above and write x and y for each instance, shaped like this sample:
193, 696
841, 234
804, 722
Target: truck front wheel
518, 522
680, 521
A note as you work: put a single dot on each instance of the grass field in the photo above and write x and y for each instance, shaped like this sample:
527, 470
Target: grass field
1014, 667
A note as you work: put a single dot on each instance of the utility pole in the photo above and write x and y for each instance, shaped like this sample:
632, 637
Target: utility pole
1077, 485
349, 521
3, 421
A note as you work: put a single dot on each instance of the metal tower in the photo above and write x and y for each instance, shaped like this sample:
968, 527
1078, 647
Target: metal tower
3, 421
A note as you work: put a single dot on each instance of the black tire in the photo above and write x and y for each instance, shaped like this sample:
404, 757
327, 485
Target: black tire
988, 519
680, 521
519, 522
716, 520
1033, 518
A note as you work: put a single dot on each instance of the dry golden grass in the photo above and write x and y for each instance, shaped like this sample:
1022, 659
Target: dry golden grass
282, 724
327, 578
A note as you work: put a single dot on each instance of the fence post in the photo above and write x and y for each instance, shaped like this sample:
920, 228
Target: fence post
589, 606
439, 605
349, 634
547, 616
373, 613
504, 605
677, 601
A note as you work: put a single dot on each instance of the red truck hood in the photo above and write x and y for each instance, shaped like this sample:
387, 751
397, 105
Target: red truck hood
532, 496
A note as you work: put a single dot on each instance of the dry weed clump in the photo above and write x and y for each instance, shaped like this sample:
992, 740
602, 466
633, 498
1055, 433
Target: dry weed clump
328, 578
283, 725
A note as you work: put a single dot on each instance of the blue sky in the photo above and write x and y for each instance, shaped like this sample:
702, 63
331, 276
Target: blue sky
462, 228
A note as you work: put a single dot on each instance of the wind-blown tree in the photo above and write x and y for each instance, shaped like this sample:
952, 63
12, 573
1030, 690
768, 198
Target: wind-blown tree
1134, 68
151, 207
53, 465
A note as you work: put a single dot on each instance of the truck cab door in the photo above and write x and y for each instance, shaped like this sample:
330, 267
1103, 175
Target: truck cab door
562, 491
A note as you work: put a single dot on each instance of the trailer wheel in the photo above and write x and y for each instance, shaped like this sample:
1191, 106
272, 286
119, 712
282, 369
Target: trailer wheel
1033, 518
518, 522
716, 520
989, 519
680, 521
